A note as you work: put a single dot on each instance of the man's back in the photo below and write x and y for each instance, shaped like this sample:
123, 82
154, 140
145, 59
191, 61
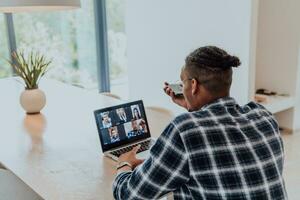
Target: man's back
221, 151
233, 152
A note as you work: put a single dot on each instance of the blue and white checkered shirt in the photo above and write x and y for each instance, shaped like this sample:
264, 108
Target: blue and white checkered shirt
222, 151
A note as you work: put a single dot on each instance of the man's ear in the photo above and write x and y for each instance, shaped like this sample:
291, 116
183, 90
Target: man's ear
195, 87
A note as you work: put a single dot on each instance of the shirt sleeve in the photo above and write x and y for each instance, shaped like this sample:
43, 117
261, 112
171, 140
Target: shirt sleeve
164, 171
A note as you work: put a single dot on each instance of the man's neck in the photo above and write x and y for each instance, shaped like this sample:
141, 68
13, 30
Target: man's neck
208, 99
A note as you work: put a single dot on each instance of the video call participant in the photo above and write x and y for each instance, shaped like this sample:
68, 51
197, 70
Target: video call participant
106, 120
135, 129
143, 126
136, 113
122, 117
114, 135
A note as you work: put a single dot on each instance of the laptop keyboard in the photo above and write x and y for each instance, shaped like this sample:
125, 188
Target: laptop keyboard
145, 145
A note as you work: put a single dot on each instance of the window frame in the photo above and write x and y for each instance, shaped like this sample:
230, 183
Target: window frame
102, 45
12, 44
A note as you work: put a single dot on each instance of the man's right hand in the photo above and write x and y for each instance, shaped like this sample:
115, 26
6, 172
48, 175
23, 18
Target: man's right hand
179, 100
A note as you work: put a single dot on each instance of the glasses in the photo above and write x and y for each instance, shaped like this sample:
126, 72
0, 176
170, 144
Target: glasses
181, 82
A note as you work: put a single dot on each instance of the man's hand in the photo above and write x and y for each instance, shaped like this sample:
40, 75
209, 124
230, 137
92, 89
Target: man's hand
131, 157
179, 100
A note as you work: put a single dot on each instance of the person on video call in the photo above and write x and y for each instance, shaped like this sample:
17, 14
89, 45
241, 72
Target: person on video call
106, 120
114, 135
216, 150
136, 113
143, 126
135, 129
121, 115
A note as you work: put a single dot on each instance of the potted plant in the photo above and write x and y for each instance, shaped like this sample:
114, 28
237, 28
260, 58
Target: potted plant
31, 70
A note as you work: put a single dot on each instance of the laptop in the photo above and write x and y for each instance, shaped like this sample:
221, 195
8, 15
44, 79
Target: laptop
122, 127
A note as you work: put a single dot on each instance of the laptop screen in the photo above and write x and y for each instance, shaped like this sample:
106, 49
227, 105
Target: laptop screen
122, 124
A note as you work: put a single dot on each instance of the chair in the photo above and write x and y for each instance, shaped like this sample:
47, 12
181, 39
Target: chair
13, 188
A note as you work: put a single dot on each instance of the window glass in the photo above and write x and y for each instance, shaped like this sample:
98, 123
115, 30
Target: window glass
117, 44
67, 37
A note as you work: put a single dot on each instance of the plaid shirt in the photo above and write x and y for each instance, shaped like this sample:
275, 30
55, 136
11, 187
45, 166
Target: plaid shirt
222, 151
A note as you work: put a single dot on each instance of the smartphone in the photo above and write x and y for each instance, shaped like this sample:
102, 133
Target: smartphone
176, 88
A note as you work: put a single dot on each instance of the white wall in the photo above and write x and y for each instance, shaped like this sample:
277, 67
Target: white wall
162, 33
277, 45
278, 53
297, 106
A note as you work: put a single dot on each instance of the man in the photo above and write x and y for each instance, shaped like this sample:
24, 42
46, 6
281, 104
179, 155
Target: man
121, 115
135, 129
106, 120
114, 135
217, 150
143, 126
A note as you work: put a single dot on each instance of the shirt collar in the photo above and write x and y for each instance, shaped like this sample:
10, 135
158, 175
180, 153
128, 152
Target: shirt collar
223, 102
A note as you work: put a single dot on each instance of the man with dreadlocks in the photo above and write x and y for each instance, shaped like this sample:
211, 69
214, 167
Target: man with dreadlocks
216, 150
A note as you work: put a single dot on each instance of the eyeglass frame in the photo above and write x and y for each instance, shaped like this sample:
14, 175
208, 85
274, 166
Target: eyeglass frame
181, 82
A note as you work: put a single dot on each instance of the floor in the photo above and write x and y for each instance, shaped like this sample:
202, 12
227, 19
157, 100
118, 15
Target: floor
292, 164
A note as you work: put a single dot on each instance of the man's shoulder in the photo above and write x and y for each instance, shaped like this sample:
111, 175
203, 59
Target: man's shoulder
258, 108
189, 120
255, 105
187, 116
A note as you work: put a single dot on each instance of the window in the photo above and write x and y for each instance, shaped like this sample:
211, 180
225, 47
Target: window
67, 37
117, 46
5, 69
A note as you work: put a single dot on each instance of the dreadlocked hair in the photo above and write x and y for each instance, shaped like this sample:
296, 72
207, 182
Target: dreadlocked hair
211, 67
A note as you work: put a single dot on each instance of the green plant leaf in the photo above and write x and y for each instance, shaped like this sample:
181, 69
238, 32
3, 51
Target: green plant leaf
30, 69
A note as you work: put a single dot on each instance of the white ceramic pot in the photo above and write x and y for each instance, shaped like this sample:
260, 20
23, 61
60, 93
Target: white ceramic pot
33, 101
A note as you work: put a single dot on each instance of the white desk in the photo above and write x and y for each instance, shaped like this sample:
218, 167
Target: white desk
57, 153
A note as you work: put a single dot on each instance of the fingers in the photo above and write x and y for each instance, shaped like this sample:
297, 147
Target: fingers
171, 94
168, 90
166, 87
136, 148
